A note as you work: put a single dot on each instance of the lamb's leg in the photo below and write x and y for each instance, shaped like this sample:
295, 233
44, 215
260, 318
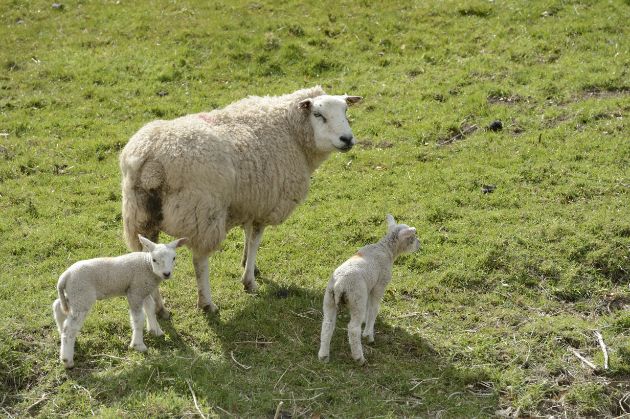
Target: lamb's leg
70, 330
149, 310
59, 314
204, 299
373, 304
136, 316
253, 238
357, 304
328, 325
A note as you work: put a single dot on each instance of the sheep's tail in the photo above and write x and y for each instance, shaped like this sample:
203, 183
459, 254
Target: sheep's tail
131, 206
61, 286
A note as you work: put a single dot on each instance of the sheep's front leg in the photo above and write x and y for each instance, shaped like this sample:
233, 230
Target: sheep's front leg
70, 329
204, 299
328, 325
159, 305
136, 316
149, 310
253, 236
247, 229
373, 304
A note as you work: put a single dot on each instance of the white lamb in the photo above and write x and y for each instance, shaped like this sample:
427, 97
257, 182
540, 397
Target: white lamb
360, 282
135, 275
248, 164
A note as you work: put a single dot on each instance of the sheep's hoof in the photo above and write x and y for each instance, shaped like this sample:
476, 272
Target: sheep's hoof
360, 361
140, 347
68, 364
250, 287
209, 308
164, 314
157, 332
324, 358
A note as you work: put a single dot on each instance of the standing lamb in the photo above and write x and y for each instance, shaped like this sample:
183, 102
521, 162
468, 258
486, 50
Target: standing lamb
248, 164
360, 282
135, 275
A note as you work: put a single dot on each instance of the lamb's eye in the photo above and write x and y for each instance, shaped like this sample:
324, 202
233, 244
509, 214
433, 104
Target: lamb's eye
154, 260
319, 115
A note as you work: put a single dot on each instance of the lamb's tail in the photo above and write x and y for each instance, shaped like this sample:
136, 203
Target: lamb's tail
61, 286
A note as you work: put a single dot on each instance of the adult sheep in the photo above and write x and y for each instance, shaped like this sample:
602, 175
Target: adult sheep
248, 164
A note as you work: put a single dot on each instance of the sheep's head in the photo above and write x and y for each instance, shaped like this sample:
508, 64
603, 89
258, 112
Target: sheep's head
162, 255
406, 240
327, 115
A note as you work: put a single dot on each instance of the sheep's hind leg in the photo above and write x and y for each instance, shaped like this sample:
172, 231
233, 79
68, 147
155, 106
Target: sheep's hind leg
253, 236
70, 330
358, 310
204, 299
149, 310
372, 310
328, 325
60, 316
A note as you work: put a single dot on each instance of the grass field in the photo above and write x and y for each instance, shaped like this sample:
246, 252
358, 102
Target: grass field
480, 322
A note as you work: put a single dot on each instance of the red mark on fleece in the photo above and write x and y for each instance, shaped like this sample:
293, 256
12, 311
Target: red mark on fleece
206, 117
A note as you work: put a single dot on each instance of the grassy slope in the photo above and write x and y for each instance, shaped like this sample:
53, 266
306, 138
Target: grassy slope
479, 321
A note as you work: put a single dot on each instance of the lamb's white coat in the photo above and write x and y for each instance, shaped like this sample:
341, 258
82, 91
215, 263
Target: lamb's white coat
248, 164
134, 275
360, 282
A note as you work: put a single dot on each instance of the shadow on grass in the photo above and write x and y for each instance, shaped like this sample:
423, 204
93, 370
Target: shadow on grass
268, 354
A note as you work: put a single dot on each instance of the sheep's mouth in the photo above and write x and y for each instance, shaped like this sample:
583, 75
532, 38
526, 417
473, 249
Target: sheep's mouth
344, 149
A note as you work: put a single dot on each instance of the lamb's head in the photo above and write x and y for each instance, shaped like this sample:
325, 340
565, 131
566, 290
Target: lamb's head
162, 255
327, 115
405, 239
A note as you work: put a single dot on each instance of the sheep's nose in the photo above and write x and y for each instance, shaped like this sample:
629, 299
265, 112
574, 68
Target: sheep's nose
166, 274
346, 139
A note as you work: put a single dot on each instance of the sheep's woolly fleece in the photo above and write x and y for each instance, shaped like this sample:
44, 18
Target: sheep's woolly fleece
202, 174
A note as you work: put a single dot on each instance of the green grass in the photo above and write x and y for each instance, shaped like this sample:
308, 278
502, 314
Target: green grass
478, 323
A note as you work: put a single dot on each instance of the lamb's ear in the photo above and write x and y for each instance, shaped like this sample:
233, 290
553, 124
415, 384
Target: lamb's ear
147, 245
177, 243
305, 104
406, 233
391, 223
353, 100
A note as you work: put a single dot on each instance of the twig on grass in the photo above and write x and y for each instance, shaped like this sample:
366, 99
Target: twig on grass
195, 400
41, 399
461, 134
277, 414
245, 367
278, 382
600, 339
584, 360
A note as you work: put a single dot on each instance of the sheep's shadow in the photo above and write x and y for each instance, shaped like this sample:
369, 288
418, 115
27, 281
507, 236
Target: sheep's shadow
266, 351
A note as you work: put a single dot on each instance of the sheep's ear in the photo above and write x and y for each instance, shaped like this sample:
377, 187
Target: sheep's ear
353, 100
391, 223
147, 245
177, 243
305, 104
406, 233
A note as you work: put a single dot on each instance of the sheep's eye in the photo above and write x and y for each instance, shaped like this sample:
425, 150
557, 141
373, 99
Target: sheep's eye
319, 115
154, 260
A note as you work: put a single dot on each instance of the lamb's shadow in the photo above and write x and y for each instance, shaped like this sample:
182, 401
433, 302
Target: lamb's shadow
266, 351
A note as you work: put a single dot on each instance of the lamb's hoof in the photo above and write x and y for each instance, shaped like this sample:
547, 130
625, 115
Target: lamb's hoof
360, 361
68, 364
140, 347
324, 358
209, 308
164, 314
250, 287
